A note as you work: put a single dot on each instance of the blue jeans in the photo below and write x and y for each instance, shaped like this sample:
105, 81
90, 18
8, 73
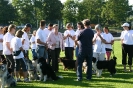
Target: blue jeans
41, 52
88, 56
34, 54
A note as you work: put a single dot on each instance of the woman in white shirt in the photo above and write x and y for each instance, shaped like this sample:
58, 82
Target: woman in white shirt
109, 42
16, 46
7, 51
33, 45
25, 40
4, 31
127, 46
99, 44
69, 37
80, 27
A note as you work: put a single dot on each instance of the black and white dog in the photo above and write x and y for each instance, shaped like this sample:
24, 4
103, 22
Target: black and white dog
99, 65
46, 70
5, 78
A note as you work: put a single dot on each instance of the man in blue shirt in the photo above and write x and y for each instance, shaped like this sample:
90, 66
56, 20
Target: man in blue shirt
85, 50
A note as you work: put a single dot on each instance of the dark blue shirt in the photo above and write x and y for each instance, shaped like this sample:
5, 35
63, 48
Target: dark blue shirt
85, 40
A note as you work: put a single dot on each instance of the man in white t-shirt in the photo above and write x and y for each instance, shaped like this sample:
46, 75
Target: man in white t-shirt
25, 39
48, 51
16, 46
41, 40
7, 51
69, 37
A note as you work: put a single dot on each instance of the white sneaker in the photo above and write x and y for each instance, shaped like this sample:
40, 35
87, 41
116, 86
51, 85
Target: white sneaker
45, 78
61, 77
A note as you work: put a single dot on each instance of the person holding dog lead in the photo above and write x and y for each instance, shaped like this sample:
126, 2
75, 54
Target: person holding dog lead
69, 37
55, 44
127, 46
16, 46
99, 44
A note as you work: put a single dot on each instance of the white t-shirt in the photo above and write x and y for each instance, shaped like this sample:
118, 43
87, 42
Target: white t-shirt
77, 33
127, 37
108, 38
26, 44
1, 43
47, 31
7, 38
15, 45
68, 41
32, 39
40, 34
99, 46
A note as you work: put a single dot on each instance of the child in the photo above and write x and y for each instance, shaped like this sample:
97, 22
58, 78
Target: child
33, 45
16, 46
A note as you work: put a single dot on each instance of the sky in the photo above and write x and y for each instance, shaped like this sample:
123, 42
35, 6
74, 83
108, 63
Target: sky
130, 2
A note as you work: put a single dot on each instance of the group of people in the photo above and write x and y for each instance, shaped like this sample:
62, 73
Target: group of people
48, 43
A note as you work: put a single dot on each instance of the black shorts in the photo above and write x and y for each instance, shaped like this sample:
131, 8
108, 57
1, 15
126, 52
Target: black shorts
20, 63
107, 49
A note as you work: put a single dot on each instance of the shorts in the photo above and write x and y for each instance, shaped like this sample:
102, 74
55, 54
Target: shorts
20, 63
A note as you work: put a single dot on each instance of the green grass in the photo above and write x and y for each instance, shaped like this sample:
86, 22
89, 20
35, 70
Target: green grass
120, 80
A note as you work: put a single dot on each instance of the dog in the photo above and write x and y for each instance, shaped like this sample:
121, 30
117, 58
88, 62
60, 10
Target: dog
31, 71
84, 67
109, 65
46, 71
68, 64
5, 78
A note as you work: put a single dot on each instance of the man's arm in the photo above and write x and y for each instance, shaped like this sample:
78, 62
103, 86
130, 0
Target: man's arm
40, 42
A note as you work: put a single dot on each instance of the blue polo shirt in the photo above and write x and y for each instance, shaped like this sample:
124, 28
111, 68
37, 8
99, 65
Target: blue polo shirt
85, 40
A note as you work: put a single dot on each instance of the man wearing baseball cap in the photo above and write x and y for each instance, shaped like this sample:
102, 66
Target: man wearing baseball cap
25, 39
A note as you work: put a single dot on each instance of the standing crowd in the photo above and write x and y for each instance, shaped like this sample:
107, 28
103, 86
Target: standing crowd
49, 42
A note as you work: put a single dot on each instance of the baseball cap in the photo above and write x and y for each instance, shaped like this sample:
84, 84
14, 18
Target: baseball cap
28, 25
125, 25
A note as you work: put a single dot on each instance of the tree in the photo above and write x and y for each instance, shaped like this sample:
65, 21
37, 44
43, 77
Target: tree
7, 13
115, 11
25, 11
30, 11
70, 11
52, 10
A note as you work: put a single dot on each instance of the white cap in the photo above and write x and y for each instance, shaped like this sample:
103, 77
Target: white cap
125, 24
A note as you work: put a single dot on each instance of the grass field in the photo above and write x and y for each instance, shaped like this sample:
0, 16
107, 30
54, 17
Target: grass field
120, 80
